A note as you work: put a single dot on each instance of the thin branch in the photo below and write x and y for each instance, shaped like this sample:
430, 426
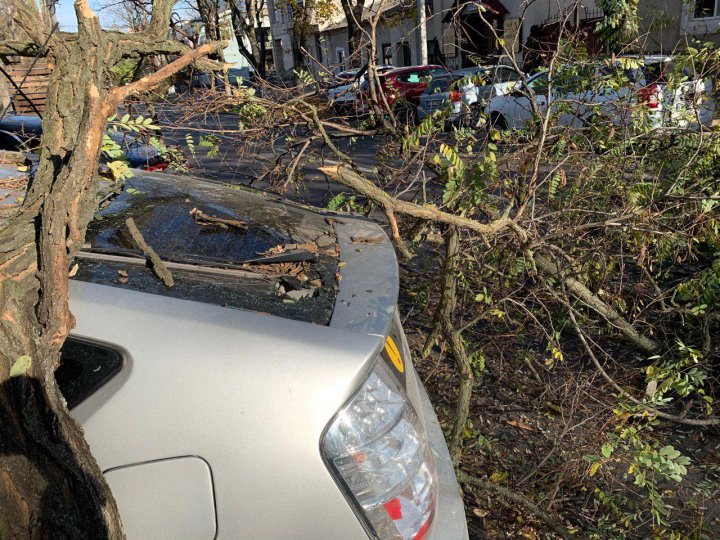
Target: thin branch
651, 410
354, 181
465, 478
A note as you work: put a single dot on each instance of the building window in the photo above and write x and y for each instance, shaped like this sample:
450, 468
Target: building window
387, 55
340, 57
434, 54
406, 54
707, 9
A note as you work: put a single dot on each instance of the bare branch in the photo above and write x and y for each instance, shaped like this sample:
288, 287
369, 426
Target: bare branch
354, 181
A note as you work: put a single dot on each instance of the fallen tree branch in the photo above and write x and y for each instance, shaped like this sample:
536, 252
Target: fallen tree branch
651, 410
223, 223
154, 260
119, 94
591, 300
397, 240
514, 496
366, 188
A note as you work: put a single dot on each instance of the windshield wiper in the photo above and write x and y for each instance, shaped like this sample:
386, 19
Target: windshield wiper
202, 261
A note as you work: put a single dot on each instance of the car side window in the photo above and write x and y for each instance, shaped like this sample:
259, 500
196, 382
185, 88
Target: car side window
539, 83
507, 75
84, 368
412, 77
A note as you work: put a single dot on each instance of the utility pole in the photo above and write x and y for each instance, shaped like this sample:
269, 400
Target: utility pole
422, 56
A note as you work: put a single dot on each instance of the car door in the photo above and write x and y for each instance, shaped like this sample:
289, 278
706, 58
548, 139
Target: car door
521, 106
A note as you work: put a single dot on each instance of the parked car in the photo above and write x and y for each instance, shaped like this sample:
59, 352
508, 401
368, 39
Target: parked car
466, 91
644, 96
20, 132
401, 89
441, 93
243, 76
409, 83
269, 393
23, 132
344, 95
483, 83
684, 103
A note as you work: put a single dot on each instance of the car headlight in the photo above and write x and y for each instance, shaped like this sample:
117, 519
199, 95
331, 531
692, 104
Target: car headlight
377, 448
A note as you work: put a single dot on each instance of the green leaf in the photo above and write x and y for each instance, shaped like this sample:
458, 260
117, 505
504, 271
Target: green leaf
21, 366
606, 450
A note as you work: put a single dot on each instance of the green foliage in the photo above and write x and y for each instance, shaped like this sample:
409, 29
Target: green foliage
346, 203
620, 24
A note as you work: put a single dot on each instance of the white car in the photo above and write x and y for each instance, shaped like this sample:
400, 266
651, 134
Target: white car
578, 101
343, 96
269, 393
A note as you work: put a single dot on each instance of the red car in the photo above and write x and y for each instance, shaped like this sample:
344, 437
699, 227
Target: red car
407, 83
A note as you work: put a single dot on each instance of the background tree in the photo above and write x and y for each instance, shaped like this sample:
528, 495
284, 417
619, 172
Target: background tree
619, 27
354, 16
50, 484
247, 19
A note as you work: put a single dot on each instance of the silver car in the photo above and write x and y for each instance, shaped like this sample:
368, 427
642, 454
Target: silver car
269, 393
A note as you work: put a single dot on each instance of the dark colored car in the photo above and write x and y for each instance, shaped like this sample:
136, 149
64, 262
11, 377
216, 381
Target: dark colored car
21, 133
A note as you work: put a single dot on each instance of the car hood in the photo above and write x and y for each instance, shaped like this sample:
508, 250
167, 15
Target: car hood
209, 262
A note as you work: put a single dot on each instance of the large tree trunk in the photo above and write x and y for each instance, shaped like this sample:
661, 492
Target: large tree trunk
50, 485
242, 29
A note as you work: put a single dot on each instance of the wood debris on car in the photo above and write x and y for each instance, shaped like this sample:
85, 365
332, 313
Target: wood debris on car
222, 223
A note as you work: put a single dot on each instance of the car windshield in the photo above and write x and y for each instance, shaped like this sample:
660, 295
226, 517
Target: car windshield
657, 72
439, 84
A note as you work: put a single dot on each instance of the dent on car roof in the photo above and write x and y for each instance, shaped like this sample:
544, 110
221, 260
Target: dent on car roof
161, 207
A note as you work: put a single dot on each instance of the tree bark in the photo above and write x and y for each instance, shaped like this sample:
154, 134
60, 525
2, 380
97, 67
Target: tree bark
252, 31
50, 484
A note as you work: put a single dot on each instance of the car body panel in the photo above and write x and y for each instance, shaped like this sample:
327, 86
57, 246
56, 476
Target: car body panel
251, 394
248, 393
179, 490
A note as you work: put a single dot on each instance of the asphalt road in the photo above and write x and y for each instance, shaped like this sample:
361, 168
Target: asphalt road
240, 163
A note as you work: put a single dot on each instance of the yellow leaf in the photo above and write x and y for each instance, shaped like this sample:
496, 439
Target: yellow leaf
21, 366
498, 477
594, 468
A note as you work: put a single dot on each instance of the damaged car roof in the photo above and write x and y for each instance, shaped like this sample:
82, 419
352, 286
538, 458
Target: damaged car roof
224, 245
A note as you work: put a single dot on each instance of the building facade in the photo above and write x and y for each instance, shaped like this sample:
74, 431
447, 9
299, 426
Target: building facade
457, 33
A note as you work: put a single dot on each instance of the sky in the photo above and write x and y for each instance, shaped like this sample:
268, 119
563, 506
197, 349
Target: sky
65, 13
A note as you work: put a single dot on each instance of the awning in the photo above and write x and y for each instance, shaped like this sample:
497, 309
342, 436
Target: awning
494, 8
